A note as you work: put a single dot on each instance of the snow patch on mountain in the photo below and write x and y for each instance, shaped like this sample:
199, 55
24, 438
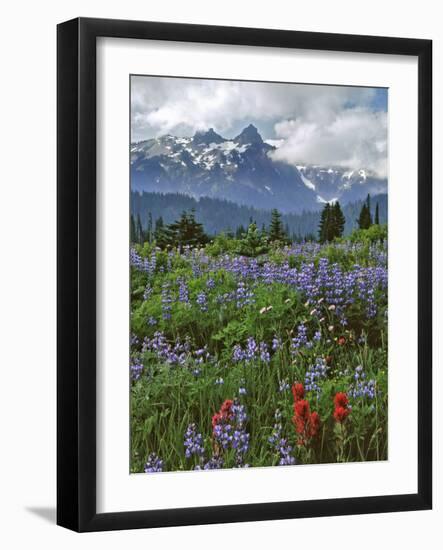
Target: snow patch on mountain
307, 182
242, 169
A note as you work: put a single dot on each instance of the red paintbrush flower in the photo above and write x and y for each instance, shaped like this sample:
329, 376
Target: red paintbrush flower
306, 424
341, 400
301, 416
298, 391
341, 341
226, 407
341, 413
224, 414
314, 424
301, 409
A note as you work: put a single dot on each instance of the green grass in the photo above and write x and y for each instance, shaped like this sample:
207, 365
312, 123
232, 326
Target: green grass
167, 398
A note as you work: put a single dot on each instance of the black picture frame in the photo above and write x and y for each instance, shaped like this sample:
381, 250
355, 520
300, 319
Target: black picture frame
76, 279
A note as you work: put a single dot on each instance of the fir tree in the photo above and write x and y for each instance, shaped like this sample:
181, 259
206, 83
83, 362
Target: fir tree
338, 221
332, 223
139, 230
377, 215
365, 219
159, 225
159, 232
184, 232
253, 244
149, 231
325, 220
276, 231
133, 236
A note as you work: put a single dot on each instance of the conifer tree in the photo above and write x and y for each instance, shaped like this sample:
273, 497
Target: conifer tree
365, 218
184, 232
276, 231
159, 232
377, 216
325, 220
149, 230
139, 230
332, 223
253, 244
133, 236
159, 224
338, 221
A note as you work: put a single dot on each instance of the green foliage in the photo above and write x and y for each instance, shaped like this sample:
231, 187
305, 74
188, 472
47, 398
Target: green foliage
276, 231
365, 218
218, 215
184, 232
332, 223
168, 397
222, 244
132, 231
377, 215
375, 233
253, 244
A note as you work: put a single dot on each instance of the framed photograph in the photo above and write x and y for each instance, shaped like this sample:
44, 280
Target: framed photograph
244, 274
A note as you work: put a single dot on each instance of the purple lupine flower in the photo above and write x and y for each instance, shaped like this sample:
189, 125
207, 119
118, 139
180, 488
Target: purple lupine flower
314, 374
166, 301
276, 343
214, 463
193, 442
223, 434
153, 464
300, 340
202, 301
210, 283
264, 353
136, 369
229, 430
280, 444
238, 354
183, 292
243, 296
362, 388
251, 349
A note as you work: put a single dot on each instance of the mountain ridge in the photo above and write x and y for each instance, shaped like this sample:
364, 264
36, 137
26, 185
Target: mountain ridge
243, 170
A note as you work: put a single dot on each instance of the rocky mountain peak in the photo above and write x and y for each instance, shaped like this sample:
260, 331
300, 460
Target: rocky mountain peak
206, 137
249, 134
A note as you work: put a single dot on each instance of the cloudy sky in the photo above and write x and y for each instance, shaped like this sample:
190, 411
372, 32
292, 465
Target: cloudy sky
312, 124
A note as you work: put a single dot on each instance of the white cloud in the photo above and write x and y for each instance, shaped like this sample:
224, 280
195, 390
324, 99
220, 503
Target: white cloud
317, 124
354, 138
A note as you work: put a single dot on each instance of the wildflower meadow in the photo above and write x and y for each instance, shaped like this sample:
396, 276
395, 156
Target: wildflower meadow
255, 350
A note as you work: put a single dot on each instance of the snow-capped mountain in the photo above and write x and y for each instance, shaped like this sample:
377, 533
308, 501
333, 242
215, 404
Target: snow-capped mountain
337, 183
241, 170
